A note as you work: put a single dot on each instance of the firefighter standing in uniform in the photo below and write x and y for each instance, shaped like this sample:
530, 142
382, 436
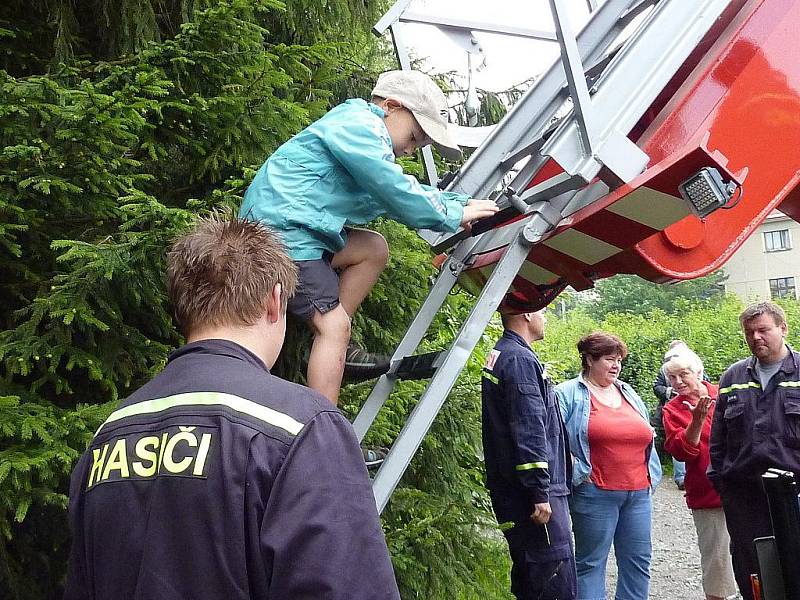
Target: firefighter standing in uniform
756, 426
527, 460
217, 479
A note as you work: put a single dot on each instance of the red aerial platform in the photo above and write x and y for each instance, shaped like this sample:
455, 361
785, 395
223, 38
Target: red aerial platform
734, 105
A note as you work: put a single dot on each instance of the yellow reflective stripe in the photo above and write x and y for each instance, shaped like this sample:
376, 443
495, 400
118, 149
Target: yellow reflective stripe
789, 384
491, 377
533, 465
739, 386
241, 405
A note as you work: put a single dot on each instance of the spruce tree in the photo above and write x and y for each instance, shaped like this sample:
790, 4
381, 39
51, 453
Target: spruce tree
99, 168
116, 132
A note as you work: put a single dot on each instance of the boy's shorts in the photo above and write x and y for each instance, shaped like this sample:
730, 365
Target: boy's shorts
317, 288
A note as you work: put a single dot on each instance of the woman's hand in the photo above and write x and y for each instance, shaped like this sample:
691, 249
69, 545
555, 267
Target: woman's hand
699, 413
700, 410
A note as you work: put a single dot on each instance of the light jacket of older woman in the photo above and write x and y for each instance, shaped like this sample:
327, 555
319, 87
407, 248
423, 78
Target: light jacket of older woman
573, 398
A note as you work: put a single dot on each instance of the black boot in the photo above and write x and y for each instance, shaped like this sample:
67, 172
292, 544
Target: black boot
360, 365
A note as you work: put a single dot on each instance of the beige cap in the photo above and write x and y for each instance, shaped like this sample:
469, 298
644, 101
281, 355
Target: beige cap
420, 94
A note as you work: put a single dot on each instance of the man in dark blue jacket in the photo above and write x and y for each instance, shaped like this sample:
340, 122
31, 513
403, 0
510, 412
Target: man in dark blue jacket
527, 460
217, 479
756, 426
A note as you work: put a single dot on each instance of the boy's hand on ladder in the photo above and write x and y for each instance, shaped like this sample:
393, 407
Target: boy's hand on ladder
476, 210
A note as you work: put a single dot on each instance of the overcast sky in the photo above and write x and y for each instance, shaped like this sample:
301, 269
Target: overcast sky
510, 60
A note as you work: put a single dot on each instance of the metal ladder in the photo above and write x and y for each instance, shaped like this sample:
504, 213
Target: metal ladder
610, 88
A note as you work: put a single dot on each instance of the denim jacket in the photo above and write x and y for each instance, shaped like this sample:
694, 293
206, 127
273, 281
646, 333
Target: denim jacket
573, 399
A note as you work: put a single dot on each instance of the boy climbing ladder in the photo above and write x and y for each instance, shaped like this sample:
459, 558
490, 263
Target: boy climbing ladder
340, 172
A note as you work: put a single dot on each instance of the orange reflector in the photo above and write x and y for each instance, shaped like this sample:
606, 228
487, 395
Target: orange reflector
755, 583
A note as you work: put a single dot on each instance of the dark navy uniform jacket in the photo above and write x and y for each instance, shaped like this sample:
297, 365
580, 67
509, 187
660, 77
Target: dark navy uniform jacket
753, 428
524, 442
217, 480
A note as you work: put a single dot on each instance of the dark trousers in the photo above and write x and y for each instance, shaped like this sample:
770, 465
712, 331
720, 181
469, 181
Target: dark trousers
747, 516
543, 562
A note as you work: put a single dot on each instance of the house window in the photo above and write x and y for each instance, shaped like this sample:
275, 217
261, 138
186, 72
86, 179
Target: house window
775, 241
783, 287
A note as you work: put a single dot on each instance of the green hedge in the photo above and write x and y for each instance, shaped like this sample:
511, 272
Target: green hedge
710, 327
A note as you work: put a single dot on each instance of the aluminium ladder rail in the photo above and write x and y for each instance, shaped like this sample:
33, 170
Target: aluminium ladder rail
590, 137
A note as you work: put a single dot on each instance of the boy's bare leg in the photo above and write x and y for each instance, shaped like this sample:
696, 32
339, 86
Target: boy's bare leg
361, 262
326, 360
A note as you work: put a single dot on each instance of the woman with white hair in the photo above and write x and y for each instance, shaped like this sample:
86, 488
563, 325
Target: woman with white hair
687, 427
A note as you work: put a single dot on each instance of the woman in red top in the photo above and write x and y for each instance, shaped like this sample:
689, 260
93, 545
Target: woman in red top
687, 427
614, 469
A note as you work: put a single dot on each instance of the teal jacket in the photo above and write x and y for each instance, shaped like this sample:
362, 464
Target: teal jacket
340, 172
573, 398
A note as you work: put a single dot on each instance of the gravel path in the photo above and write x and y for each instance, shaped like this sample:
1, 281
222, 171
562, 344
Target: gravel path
675, 569
676, 559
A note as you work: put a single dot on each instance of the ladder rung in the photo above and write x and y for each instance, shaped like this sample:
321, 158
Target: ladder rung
496, 220
419, 366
